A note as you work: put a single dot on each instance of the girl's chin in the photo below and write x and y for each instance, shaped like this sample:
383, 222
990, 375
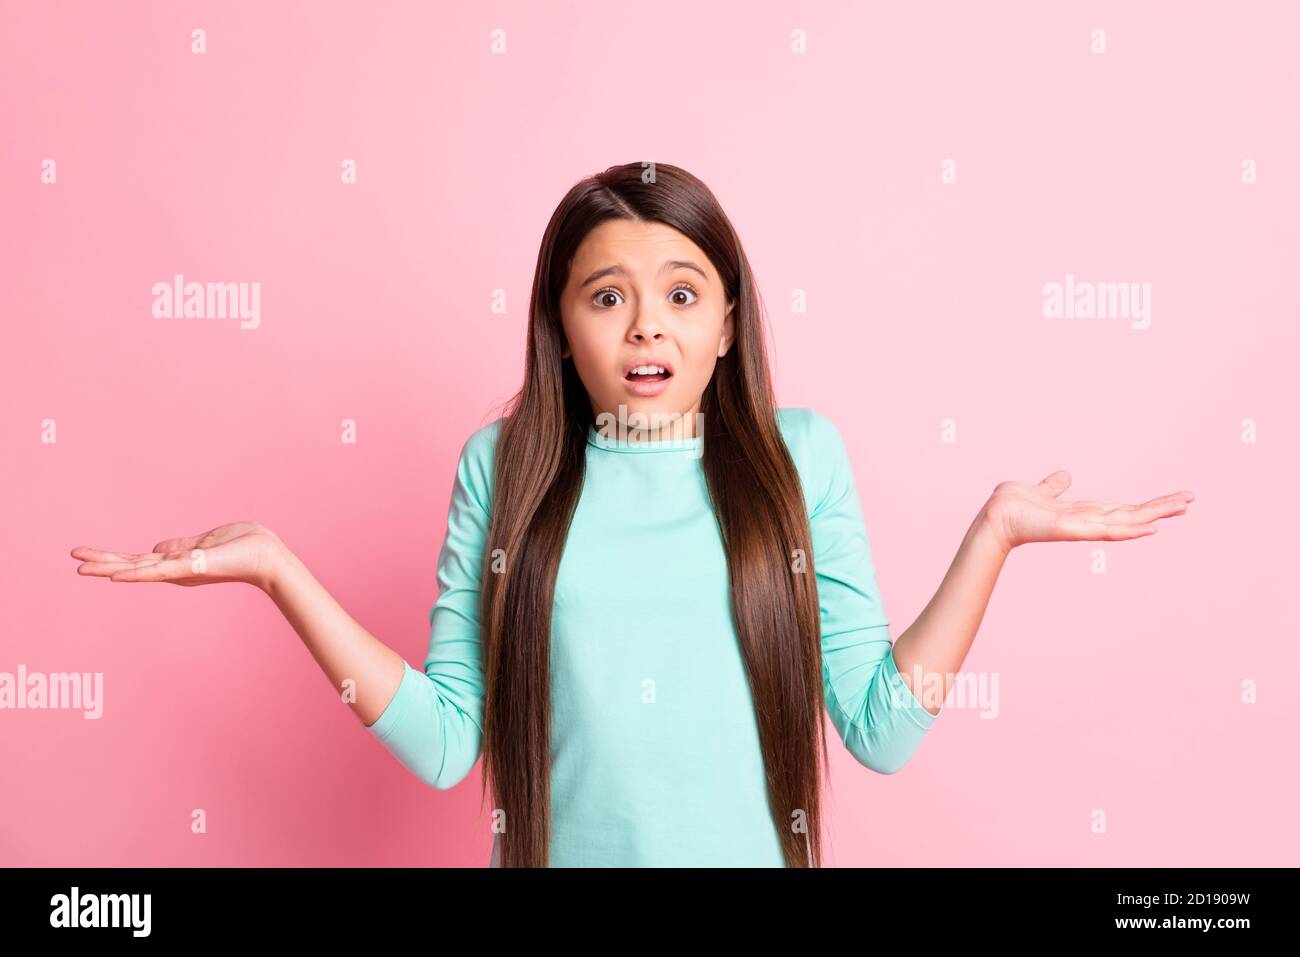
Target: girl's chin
639, 417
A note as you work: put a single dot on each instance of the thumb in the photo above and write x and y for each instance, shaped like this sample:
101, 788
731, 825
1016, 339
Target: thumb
1056, 483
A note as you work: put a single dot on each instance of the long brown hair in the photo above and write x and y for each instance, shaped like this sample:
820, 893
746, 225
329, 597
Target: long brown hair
756, 495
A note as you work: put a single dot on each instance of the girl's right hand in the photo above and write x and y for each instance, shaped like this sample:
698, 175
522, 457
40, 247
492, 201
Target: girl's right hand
240, 552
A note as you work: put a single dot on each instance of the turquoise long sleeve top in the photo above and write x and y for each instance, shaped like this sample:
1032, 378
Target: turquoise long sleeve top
655, 755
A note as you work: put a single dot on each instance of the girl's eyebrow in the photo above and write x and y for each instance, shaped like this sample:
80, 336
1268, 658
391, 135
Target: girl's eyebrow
666, 267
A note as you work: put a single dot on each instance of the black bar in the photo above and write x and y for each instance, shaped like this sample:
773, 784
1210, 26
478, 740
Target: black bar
932, 906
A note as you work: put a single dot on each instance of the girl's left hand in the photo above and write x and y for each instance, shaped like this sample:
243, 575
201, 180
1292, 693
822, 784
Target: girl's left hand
1018, 513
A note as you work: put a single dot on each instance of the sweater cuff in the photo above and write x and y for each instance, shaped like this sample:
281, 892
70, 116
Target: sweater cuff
392, 716
904, 698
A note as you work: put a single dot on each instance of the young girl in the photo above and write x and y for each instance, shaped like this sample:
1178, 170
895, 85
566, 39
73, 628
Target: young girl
653, 581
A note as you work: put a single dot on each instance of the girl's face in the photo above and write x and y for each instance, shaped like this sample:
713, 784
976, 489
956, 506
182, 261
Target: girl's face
642, 294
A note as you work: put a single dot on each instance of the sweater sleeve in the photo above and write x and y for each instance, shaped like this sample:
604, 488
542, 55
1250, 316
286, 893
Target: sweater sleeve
879, 719
434, 723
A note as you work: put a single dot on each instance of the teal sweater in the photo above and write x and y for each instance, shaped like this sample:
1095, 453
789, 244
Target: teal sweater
655, 756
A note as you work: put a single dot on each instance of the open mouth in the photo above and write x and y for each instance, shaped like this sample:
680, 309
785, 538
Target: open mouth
648, 373
645, 369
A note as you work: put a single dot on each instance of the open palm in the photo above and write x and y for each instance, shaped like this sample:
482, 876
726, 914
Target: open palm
1022, 513
239, 552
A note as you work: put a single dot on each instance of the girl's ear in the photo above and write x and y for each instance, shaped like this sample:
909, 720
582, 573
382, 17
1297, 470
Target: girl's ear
728, 331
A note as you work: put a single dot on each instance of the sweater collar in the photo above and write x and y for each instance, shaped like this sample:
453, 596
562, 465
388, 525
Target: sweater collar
617, 443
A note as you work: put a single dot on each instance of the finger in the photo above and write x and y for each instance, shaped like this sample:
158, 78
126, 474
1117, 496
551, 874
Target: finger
1056, 483
1179, 498
1142, 514
1173, 497
1083, 526
104, 569
1103, 532
108, 567
168, 570
98, 554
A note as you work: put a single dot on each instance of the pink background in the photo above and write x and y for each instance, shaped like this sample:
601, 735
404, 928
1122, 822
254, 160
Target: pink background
1118, 691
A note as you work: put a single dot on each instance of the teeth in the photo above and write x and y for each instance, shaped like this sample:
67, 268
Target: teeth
648, 370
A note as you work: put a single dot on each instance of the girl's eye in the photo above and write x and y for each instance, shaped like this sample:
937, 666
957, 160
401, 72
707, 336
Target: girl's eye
600, 298
601, 293
687, 288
